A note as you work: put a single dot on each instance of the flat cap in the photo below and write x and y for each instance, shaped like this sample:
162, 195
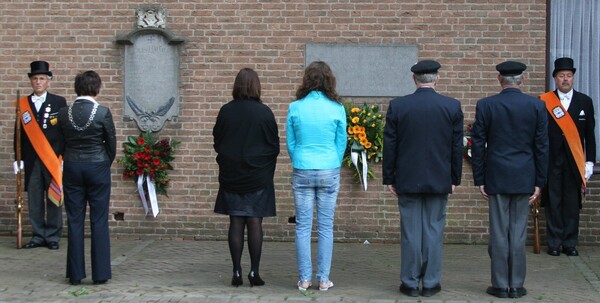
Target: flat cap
511, 68
425, 67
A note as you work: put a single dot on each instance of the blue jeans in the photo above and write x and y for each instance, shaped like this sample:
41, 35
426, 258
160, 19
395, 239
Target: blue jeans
322, 186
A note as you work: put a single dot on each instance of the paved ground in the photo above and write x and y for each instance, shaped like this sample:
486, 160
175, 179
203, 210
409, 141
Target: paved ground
200, 271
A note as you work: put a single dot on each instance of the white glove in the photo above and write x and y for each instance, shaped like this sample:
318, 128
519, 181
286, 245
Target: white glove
17, 167
589, 170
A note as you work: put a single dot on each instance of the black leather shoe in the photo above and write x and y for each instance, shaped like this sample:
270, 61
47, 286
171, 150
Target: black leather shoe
74, 282
553, 251
53, 245
517, 292
409, 291
236, 280
255, 279
32, 244
100, 281
570, 251
497, 292
430, 291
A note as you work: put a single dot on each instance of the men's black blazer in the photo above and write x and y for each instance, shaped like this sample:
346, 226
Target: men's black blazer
514, 126
423, 136
581, 111
52, 132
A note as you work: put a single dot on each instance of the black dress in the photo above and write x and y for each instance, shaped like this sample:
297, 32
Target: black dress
247, 144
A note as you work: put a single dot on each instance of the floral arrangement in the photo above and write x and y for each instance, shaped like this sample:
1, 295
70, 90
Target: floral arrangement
365, 133
467, 141
144, 155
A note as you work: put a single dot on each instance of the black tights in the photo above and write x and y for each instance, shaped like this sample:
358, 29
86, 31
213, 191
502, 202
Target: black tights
236, 241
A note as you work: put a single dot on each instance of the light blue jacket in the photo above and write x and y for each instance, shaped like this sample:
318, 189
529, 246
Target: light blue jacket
316, 132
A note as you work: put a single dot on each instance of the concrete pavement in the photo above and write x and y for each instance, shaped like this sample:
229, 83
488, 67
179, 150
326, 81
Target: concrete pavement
200, 271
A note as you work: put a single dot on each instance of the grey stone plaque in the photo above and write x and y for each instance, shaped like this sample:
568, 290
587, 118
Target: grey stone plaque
368, 70
151, 77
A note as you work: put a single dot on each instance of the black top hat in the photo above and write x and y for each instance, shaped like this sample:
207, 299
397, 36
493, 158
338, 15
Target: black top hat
511, 68
40, 67
564, 63
425, 67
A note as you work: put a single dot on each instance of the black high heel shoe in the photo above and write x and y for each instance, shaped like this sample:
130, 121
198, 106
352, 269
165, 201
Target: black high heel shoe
255, 279
237, 280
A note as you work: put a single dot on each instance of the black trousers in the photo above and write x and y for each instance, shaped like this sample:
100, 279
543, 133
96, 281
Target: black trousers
87, 183
45, 216
562, 204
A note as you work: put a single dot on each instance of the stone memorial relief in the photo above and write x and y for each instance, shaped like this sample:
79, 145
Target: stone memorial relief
368, 70
151, 70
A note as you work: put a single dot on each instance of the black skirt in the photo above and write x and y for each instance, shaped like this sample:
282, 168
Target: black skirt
260, 203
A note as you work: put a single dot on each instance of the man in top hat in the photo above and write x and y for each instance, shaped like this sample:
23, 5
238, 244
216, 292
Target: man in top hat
422, 164
41, 146
510, 161
572, 157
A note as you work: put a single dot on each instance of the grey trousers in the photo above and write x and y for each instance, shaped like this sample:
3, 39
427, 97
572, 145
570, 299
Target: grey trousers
45, 217
422, 221
508, 232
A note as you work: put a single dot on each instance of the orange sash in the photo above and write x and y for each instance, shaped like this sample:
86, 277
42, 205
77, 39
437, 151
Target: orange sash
44, 151
569, 129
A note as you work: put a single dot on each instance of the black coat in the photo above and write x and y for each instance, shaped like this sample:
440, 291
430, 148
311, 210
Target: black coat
423, 147
585, 126
515, 128
247, 144
52, 132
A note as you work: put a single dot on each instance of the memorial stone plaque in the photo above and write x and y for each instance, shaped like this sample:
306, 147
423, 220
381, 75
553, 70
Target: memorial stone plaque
151, 76
368, 70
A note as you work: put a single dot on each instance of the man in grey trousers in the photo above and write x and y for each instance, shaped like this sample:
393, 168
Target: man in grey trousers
422, 164
510, 163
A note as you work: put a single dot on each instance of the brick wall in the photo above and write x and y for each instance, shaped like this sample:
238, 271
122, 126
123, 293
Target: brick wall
468, 37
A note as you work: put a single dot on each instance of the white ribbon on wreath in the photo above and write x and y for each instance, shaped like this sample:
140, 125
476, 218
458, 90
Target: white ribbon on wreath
355, 150
151, 195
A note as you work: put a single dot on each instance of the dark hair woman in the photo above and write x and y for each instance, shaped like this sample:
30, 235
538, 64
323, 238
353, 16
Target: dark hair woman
246, 140
90, 149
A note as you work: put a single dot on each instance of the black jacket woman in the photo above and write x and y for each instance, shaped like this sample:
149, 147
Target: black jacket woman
90, 149
247, 143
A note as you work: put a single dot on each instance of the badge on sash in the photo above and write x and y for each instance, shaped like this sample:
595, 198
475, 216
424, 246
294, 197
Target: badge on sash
558, 112
26, 117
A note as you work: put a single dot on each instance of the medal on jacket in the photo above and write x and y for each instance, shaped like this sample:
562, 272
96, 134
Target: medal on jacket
558, 112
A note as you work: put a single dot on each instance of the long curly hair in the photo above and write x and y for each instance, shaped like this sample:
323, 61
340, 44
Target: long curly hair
318, 76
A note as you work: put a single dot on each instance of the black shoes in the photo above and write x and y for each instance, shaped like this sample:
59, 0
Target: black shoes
409, 291
516, 292
255, 279
32, 244
236, 280
74, 282
570, 251
53, 245
430, 291
553, 251
497, 292
100, 282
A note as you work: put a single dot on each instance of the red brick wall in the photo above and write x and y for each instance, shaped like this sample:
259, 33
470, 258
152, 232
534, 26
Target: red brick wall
468, 37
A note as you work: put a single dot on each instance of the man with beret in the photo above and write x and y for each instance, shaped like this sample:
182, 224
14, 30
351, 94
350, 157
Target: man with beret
572, 155
41, 146
422, 164
510, 162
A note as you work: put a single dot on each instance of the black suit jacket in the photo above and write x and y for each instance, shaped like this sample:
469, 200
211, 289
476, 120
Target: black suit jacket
581, 111
423, 138
515, 128
52, 132
97, 143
